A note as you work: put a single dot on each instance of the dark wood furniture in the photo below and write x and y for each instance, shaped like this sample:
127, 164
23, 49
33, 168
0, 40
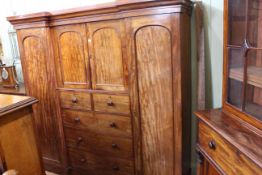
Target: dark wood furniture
18, 145
113, 83
230, 139
20, 90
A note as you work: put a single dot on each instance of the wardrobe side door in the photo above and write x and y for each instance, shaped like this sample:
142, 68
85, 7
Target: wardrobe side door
39, 82
152, 93
71, 56
108, 65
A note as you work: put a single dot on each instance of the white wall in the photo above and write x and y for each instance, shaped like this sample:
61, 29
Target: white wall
18, 7
213, 23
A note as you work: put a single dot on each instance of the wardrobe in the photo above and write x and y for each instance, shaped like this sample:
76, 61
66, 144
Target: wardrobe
113, 84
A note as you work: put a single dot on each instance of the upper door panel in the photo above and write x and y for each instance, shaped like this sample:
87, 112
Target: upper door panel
108, 63
71, 56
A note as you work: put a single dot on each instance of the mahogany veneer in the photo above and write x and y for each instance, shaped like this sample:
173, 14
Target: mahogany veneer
113, 83
19, 149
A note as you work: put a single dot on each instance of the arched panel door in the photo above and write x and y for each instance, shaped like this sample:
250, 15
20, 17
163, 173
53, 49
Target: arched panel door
71, 56
108, 63
152, 94
35, 55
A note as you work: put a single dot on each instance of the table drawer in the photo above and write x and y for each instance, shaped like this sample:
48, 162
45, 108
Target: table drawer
111, 125
99, 144
75, 100
224, 154
95, 165
111, 103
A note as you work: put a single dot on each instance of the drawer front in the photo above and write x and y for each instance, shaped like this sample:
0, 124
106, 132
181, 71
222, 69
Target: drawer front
75, 100
93, 163
226, 156
110, 125
111, 103
99, 144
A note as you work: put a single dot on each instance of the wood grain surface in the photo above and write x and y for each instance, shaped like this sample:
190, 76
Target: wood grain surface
153, 46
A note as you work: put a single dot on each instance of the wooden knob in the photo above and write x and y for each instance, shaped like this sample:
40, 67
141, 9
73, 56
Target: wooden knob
114, 146
110, 102
77, 120
79, 140
113, 125
74, 99
83, 160
212, 144
116, 168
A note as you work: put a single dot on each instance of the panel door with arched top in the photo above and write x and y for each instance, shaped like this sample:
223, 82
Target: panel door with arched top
153, 95
107, 55
71, 56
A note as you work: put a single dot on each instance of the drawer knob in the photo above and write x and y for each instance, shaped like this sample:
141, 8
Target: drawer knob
116, 168
114, 146
77, 120
110, 102
83, 160
212, 144
79, 140
74, 99
113, 125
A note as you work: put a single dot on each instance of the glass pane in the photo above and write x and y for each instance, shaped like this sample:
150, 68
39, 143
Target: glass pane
235, 85
253, 99
237, 21
255, 23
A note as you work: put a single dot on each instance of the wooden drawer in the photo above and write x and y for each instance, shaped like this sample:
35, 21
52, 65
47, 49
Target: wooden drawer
110, 125
97, 165
111, 103
75, 100
99, 144
225, 155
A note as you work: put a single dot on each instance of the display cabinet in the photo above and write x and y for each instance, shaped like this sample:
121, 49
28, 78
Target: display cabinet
243, 59
230, 138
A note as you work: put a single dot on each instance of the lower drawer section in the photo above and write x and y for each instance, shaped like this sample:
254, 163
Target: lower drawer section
99, 144
87, 163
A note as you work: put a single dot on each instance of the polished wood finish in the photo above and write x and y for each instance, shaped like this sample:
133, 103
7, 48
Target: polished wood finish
111, 103
18, 144
229, 139
11, 80
39, 77
101, 145
154, 76
118, 80
20, 90
94, 164
108, 61
73, 56
221, 134
75, 100
105, 124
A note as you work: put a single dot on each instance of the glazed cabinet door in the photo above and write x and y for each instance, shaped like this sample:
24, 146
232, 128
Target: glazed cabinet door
108, 60
152, 93
71, 56
34, 45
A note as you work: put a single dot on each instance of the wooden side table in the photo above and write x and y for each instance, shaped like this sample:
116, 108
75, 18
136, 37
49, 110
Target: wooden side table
18, 145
